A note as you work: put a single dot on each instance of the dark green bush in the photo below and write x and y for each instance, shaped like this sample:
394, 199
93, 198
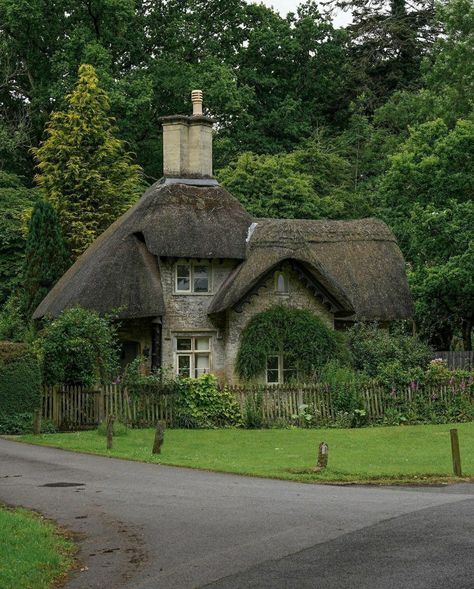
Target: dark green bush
380, 354
79, 348
297, 333
20, 379
22, 423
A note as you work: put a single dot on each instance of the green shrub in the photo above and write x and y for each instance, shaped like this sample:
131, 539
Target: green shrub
201, 403
380, 354
22, 423
119, 428
253, 410
79, 348
299, 334
20, 379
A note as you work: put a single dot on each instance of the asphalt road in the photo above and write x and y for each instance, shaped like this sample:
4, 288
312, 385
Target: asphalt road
144, 526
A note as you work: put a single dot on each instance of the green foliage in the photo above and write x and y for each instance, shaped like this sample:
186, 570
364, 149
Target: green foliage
428, 195
311, 182
377, 352
20, 379
253, 410
119, 429
46, 257
201, 403
16, 202
298, 333
139, 382
22, 423
78, 348
83, 169
13, 323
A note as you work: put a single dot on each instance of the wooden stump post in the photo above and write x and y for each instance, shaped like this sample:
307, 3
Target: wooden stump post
159, 437
323, 455
110, 431
37, 422
455, 452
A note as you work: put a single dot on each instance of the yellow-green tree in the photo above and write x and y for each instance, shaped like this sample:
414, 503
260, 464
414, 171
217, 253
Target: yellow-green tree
83, 168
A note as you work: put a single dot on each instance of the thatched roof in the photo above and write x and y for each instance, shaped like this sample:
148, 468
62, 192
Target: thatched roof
354, 267
357, 262
120, 269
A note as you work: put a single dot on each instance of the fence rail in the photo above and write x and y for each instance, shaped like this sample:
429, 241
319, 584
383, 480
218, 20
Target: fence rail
73, 408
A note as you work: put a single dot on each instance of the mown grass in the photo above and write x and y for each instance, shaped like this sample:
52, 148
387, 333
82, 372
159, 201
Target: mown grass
386, 454
34, 554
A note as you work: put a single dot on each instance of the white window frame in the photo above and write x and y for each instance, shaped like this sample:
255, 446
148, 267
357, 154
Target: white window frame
193, 353
192, 264
281, 369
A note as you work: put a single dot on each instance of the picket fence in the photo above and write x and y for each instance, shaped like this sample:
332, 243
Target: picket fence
74, 408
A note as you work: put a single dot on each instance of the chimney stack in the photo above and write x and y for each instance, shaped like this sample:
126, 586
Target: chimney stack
187, 143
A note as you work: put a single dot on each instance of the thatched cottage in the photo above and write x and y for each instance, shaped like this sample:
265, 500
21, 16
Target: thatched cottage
187, 266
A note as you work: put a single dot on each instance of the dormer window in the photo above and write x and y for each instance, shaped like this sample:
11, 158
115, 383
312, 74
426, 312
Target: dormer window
192, 277
282, 284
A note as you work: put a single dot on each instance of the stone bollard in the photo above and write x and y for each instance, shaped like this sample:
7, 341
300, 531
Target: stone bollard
37, 422
323, 455
159, 437
110, 431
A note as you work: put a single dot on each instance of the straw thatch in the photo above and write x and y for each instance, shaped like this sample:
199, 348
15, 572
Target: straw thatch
119, 271
354, 267
357, 262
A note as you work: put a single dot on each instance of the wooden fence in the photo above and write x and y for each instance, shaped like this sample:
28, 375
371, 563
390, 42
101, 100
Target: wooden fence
73, 408
459, 359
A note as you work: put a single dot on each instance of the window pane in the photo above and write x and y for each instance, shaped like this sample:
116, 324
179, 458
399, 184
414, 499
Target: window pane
201, 364
272, 363
183, 281
201, 278
183, 343
282, 282
202, 343
272, 376
184, 365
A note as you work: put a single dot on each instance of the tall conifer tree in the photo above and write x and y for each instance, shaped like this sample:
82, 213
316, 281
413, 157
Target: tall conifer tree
83, 168
46, 257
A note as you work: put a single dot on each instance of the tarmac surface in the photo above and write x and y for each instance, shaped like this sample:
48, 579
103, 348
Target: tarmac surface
146, 526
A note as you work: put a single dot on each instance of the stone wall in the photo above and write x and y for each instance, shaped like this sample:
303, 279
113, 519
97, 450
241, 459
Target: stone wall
186, 315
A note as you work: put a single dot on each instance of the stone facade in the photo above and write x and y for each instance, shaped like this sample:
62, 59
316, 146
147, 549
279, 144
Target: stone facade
187, 316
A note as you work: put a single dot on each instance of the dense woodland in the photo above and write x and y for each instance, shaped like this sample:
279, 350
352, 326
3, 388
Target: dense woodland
313, 121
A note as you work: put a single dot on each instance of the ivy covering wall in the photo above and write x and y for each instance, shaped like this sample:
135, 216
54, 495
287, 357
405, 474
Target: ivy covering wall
299, 334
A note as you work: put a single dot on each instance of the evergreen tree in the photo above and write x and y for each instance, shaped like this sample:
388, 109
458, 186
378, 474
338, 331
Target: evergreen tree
84, 170
46, 257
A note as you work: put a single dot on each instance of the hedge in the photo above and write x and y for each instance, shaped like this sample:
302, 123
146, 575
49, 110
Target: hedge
20, 379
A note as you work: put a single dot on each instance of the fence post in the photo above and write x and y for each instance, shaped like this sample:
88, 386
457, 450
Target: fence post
56, 403
456, 455
101, 401
37, 422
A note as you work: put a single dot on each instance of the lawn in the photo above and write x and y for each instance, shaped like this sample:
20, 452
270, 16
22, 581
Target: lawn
33, 554
393, 453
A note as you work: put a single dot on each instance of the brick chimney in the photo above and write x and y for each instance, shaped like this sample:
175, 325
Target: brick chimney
187, 143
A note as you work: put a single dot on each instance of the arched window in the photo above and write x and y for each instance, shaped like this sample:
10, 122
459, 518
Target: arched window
282, 285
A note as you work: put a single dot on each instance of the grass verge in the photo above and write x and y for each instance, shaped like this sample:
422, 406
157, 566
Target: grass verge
34, 553
417, 454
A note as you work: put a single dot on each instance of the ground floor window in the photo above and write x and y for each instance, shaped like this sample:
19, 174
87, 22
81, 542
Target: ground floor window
193, 355
280, 369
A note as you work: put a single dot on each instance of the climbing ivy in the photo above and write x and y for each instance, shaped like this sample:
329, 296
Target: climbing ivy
298, 333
